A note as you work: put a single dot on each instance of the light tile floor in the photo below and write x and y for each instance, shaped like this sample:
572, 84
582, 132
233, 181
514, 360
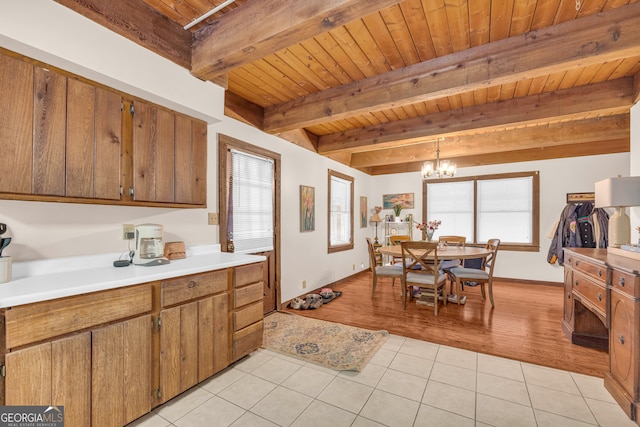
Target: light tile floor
407, 383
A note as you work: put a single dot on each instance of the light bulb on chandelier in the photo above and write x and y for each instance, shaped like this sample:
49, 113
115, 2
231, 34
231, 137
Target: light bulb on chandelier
443, 168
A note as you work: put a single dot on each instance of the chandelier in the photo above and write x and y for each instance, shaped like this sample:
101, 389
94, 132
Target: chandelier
443, 168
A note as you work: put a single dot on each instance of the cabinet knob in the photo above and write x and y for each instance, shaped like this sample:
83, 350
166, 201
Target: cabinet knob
599, 296
577, 282
569, 295
621, 338
621, 281
577, 263
599, 273
191, 284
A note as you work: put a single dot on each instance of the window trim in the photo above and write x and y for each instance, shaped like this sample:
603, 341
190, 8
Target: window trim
534, 246
344, 247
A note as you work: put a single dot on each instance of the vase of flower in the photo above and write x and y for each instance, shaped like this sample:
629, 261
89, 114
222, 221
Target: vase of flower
397, 210
428, 229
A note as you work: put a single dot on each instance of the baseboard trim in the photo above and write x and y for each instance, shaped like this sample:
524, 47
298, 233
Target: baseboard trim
528, 282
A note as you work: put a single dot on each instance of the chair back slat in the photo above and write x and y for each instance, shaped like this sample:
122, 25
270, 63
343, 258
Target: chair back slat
420, 257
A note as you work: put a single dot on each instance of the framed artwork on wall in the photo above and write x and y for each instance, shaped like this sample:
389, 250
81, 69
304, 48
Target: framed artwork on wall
363, 212
307, 208
404, 199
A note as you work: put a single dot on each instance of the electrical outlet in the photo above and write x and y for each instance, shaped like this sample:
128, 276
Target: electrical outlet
128, 231
304, 284
354, 267
361, 264
213, 218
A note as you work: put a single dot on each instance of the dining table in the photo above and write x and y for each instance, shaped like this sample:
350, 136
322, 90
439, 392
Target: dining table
444, 253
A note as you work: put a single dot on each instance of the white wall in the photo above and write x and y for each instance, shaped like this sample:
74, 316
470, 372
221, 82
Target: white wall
62, 38
634, 213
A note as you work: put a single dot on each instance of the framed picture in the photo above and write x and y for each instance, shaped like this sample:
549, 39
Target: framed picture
405, 199
307, 208
363, 212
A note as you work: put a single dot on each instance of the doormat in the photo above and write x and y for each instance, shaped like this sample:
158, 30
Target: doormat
328, 344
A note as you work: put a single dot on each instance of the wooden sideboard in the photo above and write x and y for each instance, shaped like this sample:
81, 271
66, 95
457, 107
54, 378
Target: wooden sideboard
602, 310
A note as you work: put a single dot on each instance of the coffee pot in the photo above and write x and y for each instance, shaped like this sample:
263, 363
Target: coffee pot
149, 247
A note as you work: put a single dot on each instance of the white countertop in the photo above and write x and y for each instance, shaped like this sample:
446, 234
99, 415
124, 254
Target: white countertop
42, 280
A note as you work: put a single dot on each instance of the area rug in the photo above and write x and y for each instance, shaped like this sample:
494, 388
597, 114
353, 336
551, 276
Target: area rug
333, 345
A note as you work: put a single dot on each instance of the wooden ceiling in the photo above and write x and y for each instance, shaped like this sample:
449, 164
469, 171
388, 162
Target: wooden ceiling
376, 84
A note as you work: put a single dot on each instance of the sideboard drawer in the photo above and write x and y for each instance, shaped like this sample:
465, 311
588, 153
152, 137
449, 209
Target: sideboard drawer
248, 294
590, 292
187, 288
625, 283
595, 271
244, 317
248, 274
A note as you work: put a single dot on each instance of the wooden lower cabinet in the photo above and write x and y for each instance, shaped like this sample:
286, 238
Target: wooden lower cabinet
110, 357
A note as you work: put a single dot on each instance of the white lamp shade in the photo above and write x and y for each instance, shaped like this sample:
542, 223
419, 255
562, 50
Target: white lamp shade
615, 192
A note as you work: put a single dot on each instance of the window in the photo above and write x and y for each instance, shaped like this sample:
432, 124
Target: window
340, 212
252, 202
504, 206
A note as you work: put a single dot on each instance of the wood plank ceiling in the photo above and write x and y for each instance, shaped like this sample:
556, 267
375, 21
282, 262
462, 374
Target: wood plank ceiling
376, 84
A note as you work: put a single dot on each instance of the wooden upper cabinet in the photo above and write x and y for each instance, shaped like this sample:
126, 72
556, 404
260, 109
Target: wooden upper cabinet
169, 156
16, 124
68, 139
94, 123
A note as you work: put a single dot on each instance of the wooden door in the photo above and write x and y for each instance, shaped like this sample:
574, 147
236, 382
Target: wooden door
213, 335
55, 373
94, 135
16, 124
272, 283
153, 153
191, 161
178, 349
121, 372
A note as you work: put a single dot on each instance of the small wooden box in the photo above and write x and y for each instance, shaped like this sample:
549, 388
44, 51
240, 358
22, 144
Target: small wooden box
174, 250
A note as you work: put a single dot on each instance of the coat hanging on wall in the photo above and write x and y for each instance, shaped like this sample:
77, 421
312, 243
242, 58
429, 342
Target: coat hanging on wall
580, 226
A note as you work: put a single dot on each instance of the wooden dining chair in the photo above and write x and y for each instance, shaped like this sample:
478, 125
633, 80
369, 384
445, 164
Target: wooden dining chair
456, 241
419, 261
480, 276
396, 240
393, 271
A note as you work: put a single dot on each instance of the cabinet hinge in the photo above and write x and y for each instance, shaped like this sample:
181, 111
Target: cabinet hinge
132, 109
131, 191
121, 190
3, 371
158, 394
158, 322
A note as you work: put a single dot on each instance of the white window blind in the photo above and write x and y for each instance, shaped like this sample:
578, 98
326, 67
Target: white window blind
340, 212
505, 209
252, 202
453, 204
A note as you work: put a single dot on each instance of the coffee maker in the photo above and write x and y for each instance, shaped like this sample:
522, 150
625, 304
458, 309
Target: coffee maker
149, 247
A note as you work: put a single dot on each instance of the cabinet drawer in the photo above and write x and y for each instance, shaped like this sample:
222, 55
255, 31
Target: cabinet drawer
187, 288
590, 292
247, 274
248, 294
26, 324
625, 283
246, 340
595, 271
247, 315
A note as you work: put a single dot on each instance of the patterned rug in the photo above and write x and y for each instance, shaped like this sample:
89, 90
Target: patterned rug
333, 345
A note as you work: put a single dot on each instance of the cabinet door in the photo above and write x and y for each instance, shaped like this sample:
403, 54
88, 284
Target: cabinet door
178, 349
622, 353
121, 372
16, 124
213, 335
49, 132
191, 161
94, 122
55, 373
153, 153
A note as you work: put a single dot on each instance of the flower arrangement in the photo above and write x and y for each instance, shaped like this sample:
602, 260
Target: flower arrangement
428, 228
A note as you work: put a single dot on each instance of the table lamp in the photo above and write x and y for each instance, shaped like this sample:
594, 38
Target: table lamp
618, 193
375, 218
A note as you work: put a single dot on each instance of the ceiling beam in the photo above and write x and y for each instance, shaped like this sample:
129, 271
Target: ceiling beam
239, 108
543, 153
258, 28
502, 142
140, 23
573, 44
606, 98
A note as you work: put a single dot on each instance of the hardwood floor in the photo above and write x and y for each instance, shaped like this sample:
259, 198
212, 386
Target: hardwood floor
525, 324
